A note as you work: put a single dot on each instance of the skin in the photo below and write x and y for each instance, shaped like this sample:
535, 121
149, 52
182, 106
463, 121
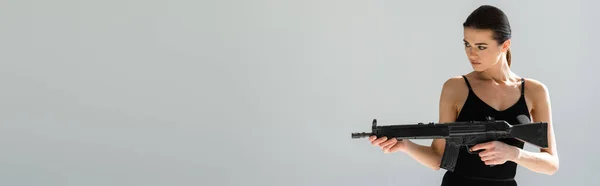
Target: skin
495, 84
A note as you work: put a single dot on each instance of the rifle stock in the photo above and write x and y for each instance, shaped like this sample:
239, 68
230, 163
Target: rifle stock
459, 134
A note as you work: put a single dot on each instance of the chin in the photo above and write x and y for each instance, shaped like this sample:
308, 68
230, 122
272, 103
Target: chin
478, 69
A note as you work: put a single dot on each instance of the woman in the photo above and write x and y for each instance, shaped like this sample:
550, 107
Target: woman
492, 89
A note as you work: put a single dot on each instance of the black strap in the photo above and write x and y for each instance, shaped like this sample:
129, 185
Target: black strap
522, 86
467, 81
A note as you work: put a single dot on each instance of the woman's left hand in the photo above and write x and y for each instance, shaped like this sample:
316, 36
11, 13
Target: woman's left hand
496, 152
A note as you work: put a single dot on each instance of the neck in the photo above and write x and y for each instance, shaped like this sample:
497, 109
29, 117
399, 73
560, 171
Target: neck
499, 73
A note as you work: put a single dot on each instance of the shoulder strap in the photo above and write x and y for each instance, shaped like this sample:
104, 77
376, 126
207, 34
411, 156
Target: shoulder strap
467, 81
522, 86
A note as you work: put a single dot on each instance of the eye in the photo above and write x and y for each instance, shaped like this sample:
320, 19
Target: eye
482, 47
467, 45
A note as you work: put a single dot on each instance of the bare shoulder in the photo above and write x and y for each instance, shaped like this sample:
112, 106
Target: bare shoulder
536, 88
454, 94
535, 84
537, 92
454, 87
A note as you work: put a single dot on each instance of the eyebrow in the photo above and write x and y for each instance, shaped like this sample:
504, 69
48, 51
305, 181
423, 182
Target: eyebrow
475, 43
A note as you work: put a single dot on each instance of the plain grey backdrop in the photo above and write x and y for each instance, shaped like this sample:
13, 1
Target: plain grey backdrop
174, 92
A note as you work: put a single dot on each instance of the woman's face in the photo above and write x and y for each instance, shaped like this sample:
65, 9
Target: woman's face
481, 48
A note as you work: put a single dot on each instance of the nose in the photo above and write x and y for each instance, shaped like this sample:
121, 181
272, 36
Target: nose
471, 54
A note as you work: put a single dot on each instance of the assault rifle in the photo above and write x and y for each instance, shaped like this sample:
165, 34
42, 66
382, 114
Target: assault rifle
467, 133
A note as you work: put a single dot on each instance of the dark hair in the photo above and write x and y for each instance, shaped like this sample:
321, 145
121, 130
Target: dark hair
490, 17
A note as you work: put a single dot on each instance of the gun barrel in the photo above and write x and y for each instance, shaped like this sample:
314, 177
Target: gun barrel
361, 134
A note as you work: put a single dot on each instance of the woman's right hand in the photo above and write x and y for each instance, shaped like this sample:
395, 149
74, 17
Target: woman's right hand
389, 145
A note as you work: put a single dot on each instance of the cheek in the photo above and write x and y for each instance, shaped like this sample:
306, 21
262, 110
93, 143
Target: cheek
489, 56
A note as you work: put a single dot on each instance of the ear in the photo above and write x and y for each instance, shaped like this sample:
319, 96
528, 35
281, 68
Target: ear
505, 45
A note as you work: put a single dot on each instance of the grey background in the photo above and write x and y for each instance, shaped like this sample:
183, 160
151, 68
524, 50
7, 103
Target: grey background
263, 92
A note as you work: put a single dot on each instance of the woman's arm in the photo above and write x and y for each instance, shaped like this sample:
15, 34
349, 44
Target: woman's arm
431, 156
545, 161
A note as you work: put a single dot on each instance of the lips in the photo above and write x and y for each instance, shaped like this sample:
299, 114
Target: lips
475, 63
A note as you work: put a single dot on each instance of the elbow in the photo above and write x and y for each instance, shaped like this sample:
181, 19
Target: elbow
553, 169
436, 166
437, 163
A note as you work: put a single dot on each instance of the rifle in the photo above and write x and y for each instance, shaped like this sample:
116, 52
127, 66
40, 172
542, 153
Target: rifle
466, 133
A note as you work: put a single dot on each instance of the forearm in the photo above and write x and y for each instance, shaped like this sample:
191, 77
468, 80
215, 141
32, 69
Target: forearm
540, 162
423, 154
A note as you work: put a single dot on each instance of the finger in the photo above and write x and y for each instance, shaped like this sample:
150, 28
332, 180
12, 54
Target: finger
371, 138
395, 148
379, 140
489, 162
494, 161
487, 152
387, 147
481, 146
390, 141
478, 147
488, 158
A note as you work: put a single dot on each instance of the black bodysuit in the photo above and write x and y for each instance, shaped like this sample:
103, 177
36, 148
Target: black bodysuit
470, 170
